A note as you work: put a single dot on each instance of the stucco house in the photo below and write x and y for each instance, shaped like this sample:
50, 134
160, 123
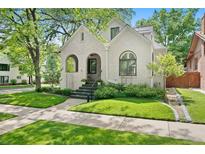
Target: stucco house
8, 72
119, 54
196, 54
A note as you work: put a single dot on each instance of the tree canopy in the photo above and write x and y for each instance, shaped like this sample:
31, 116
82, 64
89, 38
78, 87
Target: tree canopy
174, 29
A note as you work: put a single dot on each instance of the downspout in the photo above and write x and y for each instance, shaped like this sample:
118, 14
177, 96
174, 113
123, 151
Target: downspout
106, 63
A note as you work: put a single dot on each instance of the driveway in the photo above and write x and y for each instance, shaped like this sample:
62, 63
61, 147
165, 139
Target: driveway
16, 90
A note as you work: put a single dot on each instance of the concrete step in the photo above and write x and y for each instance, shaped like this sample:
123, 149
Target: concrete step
78, 96
88, 88
82, 93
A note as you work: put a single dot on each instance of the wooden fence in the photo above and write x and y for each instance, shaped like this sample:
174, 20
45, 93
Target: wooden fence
188, 80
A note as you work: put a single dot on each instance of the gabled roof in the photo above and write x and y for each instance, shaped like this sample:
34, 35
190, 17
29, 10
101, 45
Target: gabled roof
195, 38
127, 27
75, 33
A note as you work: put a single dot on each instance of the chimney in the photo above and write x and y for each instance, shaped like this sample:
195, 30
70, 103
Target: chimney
203, 25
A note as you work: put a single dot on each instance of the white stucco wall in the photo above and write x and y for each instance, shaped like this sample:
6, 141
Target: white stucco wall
114, 23
14, 71
128, 40
82, 49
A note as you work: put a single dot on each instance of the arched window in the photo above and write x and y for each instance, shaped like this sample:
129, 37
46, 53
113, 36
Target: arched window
72, 64
128, 64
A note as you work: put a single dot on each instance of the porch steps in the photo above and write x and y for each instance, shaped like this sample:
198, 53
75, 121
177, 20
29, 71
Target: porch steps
85, 90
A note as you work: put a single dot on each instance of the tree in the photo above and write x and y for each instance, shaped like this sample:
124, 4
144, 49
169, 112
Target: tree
52, 67
173, 29
165, 66
34, 29
22, 27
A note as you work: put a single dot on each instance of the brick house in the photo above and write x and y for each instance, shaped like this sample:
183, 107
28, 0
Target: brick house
196, 54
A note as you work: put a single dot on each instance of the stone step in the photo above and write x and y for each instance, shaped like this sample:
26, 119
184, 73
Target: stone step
89, 88
85, 90
82, 93
78, 96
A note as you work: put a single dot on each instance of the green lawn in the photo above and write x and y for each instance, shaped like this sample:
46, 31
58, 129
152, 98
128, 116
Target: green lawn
15, 86
5, 116
32, 99
195, 102
48, 132
133, 107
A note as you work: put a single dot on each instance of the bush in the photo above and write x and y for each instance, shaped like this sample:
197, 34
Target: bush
105, 92
13, 81
58, 91
144, 92
119, 86
65, 92
23, 81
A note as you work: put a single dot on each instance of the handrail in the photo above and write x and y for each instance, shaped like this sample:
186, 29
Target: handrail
94, 83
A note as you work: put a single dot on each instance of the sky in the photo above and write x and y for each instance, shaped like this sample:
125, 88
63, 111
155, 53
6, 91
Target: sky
141, 13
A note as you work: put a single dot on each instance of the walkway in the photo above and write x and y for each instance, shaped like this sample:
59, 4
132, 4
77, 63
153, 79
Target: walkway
59, 113
199, 90
16, 90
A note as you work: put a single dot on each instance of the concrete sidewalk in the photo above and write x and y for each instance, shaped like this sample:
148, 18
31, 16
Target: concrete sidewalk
16, 90
59, 113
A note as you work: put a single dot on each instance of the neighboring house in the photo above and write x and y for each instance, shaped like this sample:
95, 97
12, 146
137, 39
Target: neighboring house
196, 55
7, 72
120, 54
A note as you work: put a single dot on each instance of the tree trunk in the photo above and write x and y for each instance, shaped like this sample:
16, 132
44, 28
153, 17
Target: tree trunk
37, 76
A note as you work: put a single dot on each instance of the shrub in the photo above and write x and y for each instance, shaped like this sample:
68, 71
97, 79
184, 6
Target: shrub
65, 92
23, 81
105, 92
119, 86
58, 91
144, 91
13, 81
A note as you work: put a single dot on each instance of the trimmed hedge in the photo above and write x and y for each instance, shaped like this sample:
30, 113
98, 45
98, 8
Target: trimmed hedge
112, 90
105, 92
144, 92
58, 91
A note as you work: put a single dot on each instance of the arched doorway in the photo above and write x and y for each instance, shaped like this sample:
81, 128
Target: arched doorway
93, 67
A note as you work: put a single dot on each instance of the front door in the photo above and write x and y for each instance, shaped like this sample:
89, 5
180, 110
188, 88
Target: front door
92, 68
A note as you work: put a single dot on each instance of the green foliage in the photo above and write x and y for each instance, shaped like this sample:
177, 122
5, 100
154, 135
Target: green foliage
142, 91
119, 86
173, 29
166, 65
52, 67
13, 81
84, 80
24, 82
105, 92
58, 91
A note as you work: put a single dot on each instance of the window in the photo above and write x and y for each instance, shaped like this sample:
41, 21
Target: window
4, 79
82, 36
128, 64
92, 66
18, 77
4, 67
114, 31
72, 64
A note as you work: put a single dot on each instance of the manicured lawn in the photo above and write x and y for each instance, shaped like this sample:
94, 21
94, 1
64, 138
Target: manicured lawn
195, 102
15, 86
32, 99
133, 107
48, 132
5, 116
